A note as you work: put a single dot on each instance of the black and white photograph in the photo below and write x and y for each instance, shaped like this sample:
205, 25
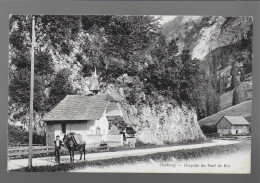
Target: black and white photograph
130, 93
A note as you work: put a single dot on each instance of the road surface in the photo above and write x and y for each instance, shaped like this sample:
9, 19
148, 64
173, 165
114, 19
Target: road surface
233, 163
20, 163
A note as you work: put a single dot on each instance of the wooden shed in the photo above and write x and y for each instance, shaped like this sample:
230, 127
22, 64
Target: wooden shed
233, 125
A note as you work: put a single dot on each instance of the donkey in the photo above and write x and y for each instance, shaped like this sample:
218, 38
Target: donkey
74, 147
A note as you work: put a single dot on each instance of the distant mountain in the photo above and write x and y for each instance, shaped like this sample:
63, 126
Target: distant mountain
202, 35
220, 44
226, 39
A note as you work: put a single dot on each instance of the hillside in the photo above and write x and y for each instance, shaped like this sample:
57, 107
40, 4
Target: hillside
223, 47
244, 90
166, 78
243, 109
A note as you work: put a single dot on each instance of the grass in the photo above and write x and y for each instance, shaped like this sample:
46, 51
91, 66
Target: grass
179, 155
226, 99
242, 109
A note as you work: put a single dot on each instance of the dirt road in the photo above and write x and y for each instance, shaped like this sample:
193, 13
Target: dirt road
236, 163
19, 163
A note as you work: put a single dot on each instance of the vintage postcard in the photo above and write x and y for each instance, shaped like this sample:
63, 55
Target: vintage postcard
125, 93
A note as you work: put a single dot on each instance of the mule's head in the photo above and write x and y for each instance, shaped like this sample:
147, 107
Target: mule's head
65, 139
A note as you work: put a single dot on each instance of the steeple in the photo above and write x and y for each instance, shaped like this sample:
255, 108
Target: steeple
95, 85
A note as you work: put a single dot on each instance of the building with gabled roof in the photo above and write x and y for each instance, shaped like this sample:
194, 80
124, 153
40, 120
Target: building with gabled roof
233, 125
88, 115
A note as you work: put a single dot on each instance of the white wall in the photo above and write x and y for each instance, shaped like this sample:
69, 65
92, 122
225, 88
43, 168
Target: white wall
52, 130
240, 130
234, 130
224, 131
115, 140
87, 129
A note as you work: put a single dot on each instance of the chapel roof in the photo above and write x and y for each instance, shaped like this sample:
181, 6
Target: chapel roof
80, 107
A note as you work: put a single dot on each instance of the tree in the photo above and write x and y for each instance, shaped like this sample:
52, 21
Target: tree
221, 85
128, 35
235, 97
19, 86
189, 77
60, 87
173, 48
233, 76
242, 75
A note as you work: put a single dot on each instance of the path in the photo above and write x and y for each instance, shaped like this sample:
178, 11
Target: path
19, 163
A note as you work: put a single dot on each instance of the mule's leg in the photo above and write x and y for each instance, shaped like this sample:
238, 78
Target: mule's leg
70, 155
80, 155
84, 150
80, 150
73, 155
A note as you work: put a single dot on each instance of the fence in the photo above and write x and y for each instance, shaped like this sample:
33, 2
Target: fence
21, 145
22, 149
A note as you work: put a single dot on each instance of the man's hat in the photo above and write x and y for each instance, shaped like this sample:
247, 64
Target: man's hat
57, 136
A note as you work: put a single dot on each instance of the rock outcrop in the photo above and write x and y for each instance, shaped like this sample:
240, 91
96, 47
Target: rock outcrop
159, 123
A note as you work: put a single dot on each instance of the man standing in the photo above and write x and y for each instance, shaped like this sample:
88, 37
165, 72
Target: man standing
57, 144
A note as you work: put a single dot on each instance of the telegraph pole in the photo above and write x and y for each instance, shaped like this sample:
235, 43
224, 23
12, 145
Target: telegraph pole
31, 95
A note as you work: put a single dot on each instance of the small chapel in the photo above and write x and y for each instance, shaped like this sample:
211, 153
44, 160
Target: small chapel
93, 116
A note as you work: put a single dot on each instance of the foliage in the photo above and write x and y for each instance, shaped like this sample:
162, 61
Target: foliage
17, 135
20, 43
60, 87
134, 46
209, 129
233, 76
235, 100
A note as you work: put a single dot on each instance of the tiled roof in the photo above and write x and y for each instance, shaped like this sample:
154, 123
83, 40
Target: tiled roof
237, 120
113, 109
80, 107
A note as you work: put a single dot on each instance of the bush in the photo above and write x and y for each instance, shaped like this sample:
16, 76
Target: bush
17, 135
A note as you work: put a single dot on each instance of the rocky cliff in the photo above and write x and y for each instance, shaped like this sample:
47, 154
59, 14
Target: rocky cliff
166, 122
228, 39
202, 35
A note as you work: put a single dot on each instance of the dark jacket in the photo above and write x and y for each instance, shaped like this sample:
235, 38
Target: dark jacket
60, 144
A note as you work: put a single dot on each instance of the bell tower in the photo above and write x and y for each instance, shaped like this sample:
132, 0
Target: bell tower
95, 84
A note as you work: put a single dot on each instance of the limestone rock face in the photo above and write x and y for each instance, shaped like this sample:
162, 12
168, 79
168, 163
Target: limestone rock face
222, 32
201, 35
162, 123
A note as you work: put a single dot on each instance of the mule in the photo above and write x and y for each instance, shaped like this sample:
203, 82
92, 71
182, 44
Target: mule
68, 141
